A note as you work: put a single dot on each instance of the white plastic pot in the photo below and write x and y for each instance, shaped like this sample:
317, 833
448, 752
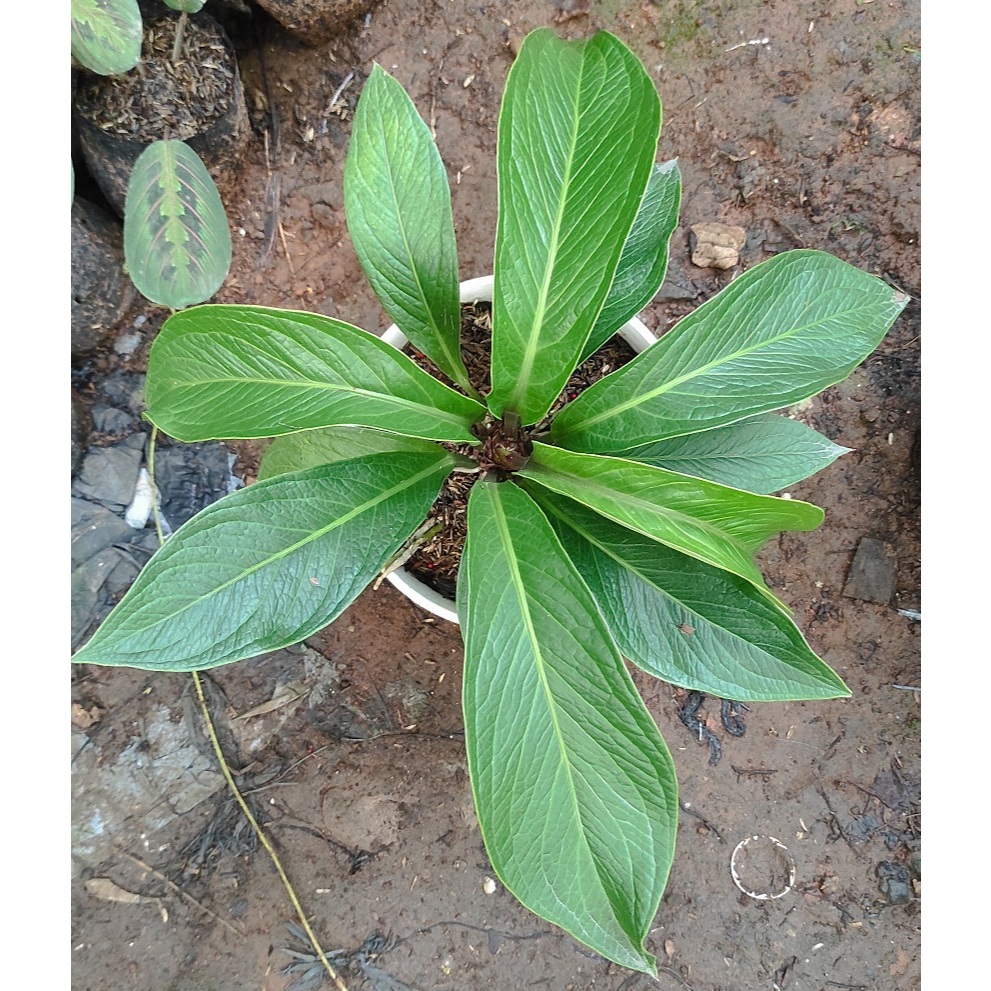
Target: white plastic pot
634, 332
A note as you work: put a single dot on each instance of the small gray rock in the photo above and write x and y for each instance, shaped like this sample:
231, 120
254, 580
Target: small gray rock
110, 420
109, 475
872, 574
894, 881
95, 528
125, 390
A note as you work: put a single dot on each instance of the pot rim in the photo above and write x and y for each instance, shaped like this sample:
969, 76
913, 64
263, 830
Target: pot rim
634, 332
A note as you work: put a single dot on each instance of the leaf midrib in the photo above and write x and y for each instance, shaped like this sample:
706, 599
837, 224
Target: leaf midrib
529, 355
539, 663
454, 361
309, 384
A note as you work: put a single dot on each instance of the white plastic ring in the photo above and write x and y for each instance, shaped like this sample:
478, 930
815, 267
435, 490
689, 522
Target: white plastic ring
786, 856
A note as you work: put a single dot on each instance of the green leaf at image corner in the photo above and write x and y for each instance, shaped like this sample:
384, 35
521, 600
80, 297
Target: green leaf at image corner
644, 260
106, 35
231, 371
685, 622
398, 206
574, 788
177, 242
268, 565
781, 332
578, 132
720, 526
763, 454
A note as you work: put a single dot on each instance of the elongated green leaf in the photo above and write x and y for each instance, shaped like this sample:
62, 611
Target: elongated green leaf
644, 260
577, 137
574, 788
268, 565
686, 622
721, 526
309, 448
763, 454
783, 331
106, 35
249, 371
177, 244
186, 6
398, 206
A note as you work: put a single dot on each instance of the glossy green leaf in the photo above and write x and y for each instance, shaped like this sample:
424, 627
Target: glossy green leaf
186, 6
721, 526
268, 565
218, 372
783, 331
177, 244
764, 454
309, 448
398, 205
574, 788
686, 622
644, 260
577, 137
106, 35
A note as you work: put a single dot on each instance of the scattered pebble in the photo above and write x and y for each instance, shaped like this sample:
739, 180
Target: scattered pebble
872, 574
717, 245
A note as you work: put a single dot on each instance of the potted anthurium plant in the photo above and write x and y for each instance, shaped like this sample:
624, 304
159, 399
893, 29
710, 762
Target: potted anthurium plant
625, 527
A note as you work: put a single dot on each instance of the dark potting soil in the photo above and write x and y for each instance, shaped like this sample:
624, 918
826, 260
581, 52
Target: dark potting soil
435, 562
161, 98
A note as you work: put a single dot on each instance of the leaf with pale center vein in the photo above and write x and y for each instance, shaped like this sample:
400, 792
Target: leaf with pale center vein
177, 242
782, 332
681, 620
270, 564
721, 526
577, 137
225, 372
763, 454
574, 788
398, 206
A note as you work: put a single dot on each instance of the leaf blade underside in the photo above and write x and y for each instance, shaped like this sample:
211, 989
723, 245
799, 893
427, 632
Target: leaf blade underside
268, 565
781, 332
226, 372
574, 787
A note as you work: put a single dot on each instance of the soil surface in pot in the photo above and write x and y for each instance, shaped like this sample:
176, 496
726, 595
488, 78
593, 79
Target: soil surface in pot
350, 747
164, 96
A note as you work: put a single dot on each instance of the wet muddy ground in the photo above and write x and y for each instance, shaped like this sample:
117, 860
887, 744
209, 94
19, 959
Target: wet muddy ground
798, 121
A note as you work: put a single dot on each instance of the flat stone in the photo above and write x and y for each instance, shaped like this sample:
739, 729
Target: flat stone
111, 420
94, 528
109, 475
871, 577
158, 778
717, 245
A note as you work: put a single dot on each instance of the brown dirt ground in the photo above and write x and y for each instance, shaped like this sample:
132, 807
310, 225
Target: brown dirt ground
810, 139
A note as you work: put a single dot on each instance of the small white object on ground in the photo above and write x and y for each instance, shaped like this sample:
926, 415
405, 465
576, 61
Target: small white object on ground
137, 514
